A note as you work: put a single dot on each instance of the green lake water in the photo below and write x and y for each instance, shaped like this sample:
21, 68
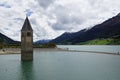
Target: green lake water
61, 65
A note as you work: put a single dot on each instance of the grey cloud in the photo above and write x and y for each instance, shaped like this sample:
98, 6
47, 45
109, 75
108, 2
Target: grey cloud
45, 3
33, 21
38, 30
70, 20
58, 26
5, 5
1, 31
65, 21
18, 19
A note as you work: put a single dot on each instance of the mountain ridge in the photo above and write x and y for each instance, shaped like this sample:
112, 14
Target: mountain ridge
7, 40
107, 29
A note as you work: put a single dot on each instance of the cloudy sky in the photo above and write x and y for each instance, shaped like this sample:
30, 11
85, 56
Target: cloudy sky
51, 18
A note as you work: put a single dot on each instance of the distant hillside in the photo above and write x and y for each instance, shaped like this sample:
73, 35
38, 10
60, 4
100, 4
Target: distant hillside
7, 40
63, 39
108, 29
42, 41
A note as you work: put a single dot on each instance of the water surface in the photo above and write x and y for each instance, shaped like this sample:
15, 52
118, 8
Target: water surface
98, 48
56, 65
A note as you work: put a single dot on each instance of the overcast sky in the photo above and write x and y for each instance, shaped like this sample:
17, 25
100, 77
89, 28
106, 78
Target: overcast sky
51, 18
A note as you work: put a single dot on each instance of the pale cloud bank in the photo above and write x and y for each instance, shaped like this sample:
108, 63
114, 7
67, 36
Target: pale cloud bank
51, 18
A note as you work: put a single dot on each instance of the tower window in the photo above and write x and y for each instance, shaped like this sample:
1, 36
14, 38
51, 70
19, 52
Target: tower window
28, 34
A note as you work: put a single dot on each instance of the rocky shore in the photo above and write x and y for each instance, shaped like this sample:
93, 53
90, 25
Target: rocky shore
18, 50
10, 51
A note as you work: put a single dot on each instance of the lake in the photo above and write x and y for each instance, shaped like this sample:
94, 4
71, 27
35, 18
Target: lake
63, 65
97, 48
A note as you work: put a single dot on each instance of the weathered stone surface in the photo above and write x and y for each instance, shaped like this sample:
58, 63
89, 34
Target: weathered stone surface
26, 41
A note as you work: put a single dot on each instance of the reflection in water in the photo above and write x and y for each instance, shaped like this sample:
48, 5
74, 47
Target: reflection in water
27, 70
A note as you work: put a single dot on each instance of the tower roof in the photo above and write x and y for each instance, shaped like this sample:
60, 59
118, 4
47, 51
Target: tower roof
27, 25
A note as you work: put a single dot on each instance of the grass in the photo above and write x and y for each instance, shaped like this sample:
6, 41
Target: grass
108, 41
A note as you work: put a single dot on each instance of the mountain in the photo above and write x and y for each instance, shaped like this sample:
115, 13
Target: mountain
7, 40
108, 29
63, 39
42, 41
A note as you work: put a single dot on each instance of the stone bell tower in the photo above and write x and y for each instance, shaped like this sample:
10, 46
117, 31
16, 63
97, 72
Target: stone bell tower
27, 41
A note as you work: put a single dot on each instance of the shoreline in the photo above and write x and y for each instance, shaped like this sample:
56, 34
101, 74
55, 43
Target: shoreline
8, 51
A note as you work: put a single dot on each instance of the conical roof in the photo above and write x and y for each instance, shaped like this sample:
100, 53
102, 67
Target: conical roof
27, 25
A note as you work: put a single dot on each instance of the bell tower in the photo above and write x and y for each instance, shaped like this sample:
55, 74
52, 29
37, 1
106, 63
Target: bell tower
27, 41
